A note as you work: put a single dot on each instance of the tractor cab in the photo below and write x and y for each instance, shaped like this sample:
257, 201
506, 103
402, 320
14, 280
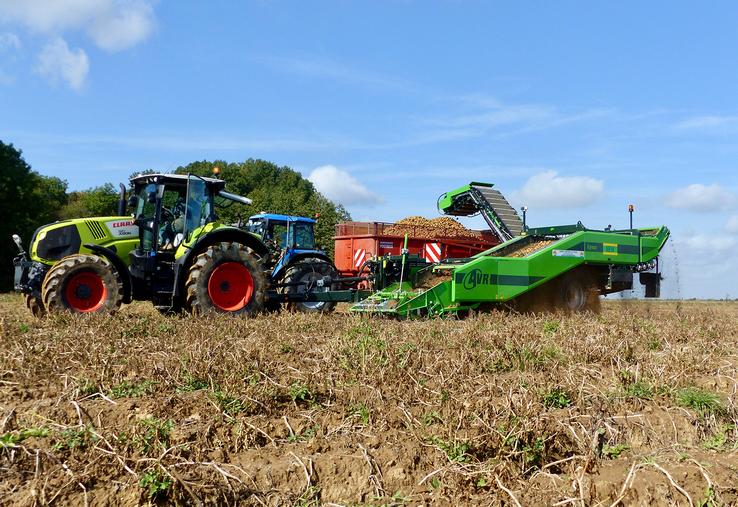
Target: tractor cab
287, 236
283, 231
168, 208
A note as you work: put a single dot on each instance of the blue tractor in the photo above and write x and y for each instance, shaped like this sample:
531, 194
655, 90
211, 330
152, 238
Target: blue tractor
297, 265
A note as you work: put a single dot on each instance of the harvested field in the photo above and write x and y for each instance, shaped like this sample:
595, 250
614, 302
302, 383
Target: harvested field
439, 227
636, 405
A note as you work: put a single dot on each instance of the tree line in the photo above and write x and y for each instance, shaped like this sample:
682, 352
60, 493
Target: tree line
31, 199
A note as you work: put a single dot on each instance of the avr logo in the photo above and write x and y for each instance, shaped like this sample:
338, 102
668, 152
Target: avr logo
476, 277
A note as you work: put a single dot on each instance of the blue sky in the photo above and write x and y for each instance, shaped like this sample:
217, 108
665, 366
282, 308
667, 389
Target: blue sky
574, 109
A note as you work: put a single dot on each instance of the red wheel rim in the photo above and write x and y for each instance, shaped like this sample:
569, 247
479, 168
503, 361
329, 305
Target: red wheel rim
85, 292
230, 286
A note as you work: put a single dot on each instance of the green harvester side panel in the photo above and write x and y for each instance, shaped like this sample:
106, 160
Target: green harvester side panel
492, 277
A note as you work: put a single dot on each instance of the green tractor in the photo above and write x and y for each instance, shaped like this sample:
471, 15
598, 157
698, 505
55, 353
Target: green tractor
172, 251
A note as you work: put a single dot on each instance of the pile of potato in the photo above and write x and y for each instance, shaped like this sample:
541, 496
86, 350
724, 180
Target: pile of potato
429, 228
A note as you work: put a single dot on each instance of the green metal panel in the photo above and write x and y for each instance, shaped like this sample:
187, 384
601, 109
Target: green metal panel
446, 201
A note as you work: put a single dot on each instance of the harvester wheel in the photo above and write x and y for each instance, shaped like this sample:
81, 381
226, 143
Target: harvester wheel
34, 303
226, 278
578, 292
82, 283
307, 272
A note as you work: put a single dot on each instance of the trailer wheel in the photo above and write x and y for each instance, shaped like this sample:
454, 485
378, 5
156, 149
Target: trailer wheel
226, 278
82, 283
578, 292
307, 273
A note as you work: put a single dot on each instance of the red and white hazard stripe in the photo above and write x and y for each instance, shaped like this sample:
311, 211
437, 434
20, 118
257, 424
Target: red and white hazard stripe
359, 257
432, 252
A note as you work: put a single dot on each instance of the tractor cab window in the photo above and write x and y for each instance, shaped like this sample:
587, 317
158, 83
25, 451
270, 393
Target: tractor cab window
256, 227
171, 224
304, 237
145, 211
278, 232
197, 206
146, 205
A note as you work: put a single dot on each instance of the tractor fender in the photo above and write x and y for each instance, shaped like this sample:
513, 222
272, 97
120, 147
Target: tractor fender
302, 256
118, 264
224, 234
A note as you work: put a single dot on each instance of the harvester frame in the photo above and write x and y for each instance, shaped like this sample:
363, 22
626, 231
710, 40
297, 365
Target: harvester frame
565, 267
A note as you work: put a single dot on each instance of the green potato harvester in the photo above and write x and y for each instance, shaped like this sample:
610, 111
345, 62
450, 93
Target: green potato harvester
560, 267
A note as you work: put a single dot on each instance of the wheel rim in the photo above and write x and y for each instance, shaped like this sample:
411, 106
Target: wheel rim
85, 292
309, 279
231, 286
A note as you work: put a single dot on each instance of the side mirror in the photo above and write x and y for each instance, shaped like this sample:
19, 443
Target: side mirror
151, 197
132, 201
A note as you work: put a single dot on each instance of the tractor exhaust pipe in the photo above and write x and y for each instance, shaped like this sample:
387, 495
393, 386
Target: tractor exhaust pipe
122, 201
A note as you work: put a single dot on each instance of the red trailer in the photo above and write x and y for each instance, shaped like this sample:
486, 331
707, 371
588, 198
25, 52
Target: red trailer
357, 242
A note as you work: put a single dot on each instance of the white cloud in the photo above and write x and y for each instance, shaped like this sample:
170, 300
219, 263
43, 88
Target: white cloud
707, 122
700, 250
9, 41
549, 190
701, 198
5, 78
112, 24
57, 62
502, 116
9, 44
321, 68
339, 186
123, 27
732, 224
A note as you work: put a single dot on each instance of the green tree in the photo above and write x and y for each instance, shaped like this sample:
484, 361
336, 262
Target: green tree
274, 189
29, 201
95, 202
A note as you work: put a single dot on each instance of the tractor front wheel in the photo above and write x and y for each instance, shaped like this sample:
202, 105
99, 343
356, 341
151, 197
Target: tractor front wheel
34, 303
226, 278
305, 275
82, 283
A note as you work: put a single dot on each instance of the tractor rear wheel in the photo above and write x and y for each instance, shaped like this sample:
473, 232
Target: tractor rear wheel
307, 273
82, 283
226, 278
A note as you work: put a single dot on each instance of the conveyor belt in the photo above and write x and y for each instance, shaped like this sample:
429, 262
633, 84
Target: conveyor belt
504, 211
482, 198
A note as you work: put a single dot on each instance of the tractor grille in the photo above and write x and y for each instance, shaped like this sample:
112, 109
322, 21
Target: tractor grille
97, 230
